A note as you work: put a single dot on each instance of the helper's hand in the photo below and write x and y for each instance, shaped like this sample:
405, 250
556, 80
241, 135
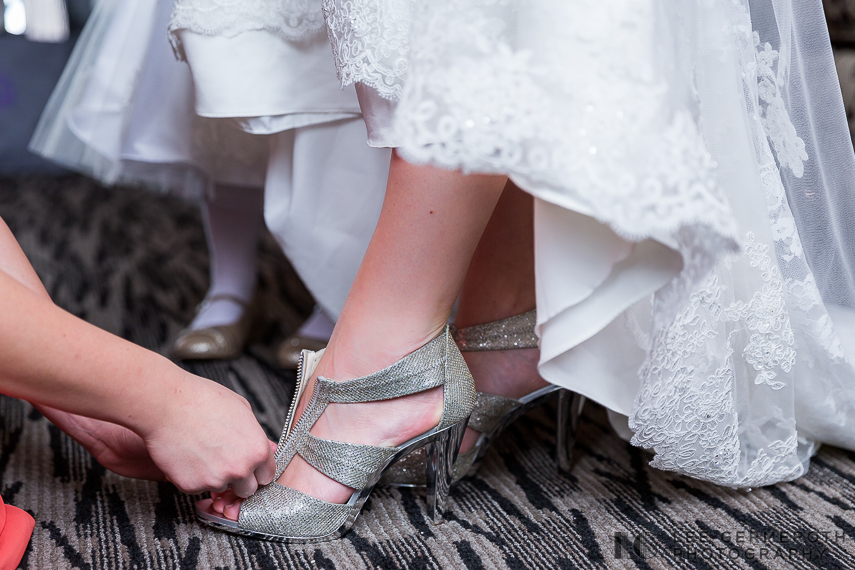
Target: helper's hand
205, 438
115, 447
227, 503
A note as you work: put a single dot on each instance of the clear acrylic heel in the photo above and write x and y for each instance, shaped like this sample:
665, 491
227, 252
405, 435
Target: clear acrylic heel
441, 455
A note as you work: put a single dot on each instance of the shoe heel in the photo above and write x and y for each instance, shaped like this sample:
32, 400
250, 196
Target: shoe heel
441, 454
570, 405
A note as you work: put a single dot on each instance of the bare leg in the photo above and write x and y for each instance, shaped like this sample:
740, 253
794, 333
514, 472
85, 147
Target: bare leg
430, 225
414, 268
499, 284
500, 280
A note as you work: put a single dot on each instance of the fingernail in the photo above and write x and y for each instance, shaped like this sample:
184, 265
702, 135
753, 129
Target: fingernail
230, 505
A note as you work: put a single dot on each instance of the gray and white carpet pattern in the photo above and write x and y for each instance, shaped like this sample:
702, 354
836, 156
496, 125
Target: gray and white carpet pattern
134, 263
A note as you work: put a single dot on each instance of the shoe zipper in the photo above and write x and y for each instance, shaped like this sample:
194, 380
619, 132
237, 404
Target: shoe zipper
298, 391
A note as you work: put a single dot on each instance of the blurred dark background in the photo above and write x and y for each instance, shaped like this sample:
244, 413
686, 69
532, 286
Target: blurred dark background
29, 70
841, 25
841, 21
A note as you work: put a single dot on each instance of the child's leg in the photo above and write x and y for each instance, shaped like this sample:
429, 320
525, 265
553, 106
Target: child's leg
234, 218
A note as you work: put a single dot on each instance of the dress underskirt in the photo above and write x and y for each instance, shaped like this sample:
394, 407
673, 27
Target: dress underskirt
324, 186
249, 78
602, 275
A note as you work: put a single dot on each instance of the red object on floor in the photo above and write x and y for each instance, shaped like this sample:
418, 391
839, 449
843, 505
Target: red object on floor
16, 529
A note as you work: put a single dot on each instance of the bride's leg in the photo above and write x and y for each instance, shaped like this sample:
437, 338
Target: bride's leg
414, 267
412, 273
234, 218
500, 279
500, 284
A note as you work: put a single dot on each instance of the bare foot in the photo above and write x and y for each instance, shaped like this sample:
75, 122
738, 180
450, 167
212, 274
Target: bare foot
508, 373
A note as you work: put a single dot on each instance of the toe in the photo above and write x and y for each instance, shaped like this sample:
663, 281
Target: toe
218, 505
206, 506
232, 510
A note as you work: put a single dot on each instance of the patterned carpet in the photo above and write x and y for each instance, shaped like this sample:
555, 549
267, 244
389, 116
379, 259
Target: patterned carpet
135, 264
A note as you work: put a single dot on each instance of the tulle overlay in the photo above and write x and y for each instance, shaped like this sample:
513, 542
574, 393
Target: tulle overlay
699, 126
125, 111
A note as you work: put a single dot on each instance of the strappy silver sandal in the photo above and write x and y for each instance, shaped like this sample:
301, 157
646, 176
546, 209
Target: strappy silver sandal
282, 514
492, 413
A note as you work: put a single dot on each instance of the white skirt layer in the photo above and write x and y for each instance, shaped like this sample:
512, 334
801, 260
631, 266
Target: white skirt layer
324, 186
251, 79
324, 192
659, 141
125, 111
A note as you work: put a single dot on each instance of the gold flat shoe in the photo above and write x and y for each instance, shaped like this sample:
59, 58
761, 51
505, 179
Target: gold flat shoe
222, 342
288, 353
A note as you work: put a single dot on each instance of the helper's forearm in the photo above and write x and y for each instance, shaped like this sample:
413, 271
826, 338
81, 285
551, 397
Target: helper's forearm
15, 263
51, 357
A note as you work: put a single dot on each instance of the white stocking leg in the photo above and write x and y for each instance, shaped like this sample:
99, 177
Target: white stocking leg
233, 218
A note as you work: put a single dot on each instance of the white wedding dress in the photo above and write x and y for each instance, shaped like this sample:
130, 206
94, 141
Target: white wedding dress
258, 106
694, 183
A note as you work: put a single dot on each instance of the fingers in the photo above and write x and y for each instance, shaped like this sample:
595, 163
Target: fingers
264, 473
215, 454
267, 471
239, 476
228, 504
245, 487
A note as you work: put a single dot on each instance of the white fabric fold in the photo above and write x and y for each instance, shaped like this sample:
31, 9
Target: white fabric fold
581, 324
324, 192
258, 74
695, 127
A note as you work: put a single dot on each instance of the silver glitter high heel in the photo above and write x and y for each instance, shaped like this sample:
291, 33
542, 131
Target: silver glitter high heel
493, 413
282, 514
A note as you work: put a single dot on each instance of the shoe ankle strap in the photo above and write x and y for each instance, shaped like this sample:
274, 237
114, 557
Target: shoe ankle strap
504, 334
437, 363
420, 370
